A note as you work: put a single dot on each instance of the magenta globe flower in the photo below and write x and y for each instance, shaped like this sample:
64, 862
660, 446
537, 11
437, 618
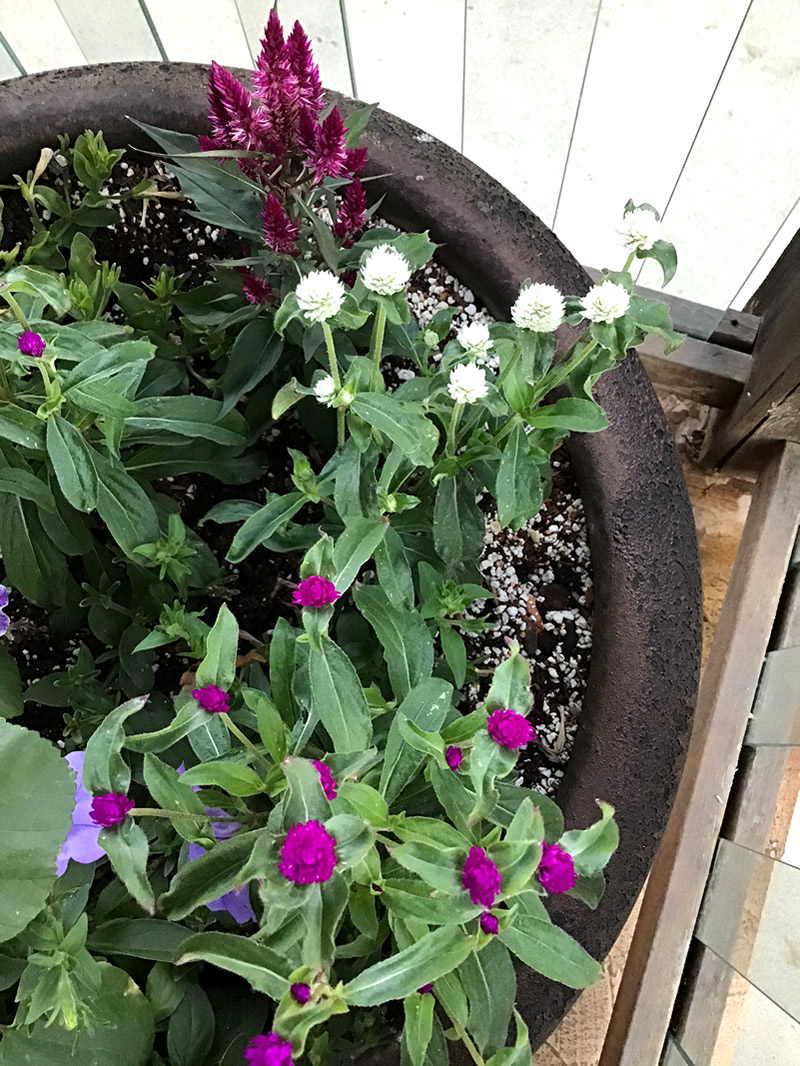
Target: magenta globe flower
426, 990
110, 809
556, 871
5, 621
481, 878
509, 729
315, 592
308, 854
212, 699
489, 923
329, 786
269, 1050
454, 757
301, 993
81, 843
30, 343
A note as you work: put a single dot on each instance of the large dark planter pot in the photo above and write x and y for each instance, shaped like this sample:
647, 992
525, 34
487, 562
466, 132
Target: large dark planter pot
647, 622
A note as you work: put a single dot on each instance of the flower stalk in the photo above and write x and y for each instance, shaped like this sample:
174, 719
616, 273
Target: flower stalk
245, 740
376, 346
337, 380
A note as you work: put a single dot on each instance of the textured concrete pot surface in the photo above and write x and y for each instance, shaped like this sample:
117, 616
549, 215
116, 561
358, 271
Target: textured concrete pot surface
647, 618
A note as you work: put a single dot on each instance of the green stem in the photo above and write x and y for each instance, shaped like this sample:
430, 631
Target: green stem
562, 371
455, 418
629, 260
504, 432
337, 381
510, 364
12, 303
237, 732
5, 386
376, 346
159, 812
476, 1056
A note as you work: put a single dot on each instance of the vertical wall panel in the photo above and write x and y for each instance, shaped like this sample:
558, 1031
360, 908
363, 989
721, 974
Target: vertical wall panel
651, 74
322, 21
741, 180
769, 257
197, 31
39, 35
409, 57
110, 31
524, 68
8, 68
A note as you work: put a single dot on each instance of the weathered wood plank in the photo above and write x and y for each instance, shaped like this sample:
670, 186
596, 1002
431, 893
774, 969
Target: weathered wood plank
728, 685
698, 370
776, 713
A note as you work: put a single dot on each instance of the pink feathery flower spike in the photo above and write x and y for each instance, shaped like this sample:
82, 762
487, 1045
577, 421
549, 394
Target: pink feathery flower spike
280, 233
256, 290
30, 343
350, 216
329, 786
302, 65
308, 854
212, 699
269, 1050
509, 729
110, 809
231, 110
556, 871
315, 592
307, 131
481, 878
355, 161
330, 155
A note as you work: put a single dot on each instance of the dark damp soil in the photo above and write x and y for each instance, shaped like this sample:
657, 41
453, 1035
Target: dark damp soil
541, 576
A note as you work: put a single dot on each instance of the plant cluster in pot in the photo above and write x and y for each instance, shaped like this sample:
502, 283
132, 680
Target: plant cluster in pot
248, 478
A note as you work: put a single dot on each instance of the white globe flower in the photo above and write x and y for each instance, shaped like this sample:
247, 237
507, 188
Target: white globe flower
640, 230
325, 390
475, 340
605, 302
320, 295
385, 270
539, 308
467, 383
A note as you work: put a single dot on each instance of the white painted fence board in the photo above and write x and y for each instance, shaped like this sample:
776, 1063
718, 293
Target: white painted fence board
743, 176
524, 68
322, 21
409, 57
8, 68
651, 74
39, 35
769, 257
197, 31
107, 32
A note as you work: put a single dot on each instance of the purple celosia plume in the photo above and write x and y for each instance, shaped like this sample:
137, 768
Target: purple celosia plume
212, 699
234, 120
326, 779
329, 155
454, 757
269, 1050
308, 854
556, 871
280, 232
256, 290
81, 843
489, 923
350, 216
355, 161
30, 343
110, 809
315, 592
509, 729
301, 993
5, 621
302, 65
481, 878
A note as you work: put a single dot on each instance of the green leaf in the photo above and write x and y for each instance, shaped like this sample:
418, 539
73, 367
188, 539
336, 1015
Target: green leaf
264, 524
592, 848
254, 354
570, 415
508, 803
256, 963
186, 416
190, 1032
403, 422
21, 426
286, 313
354, 547
128, 850
406, 639
653, 317
38, 283
139, 938
122, 1032
271, 727
356, 123
323, 907
282, 658
16, 481
418, 1027
434, 955
490, 982
10, 686
124, 506
354, 838
338, 698
418, 248
211, 739
426, 742
208, 877
455, 653
519, 486
511, 684
488, 761
665, 255
104, 769
394, 570
222, 645
414, 899
426, 705
549, 950
285, 398
305, 801
32, 564
439, 867
173, 793
458, 523
106, 362
35, 816
518, 1055
364, 800
72, 462
189, 718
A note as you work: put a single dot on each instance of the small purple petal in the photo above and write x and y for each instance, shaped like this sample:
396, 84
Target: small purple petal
3, 596
81, 843
301, 993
